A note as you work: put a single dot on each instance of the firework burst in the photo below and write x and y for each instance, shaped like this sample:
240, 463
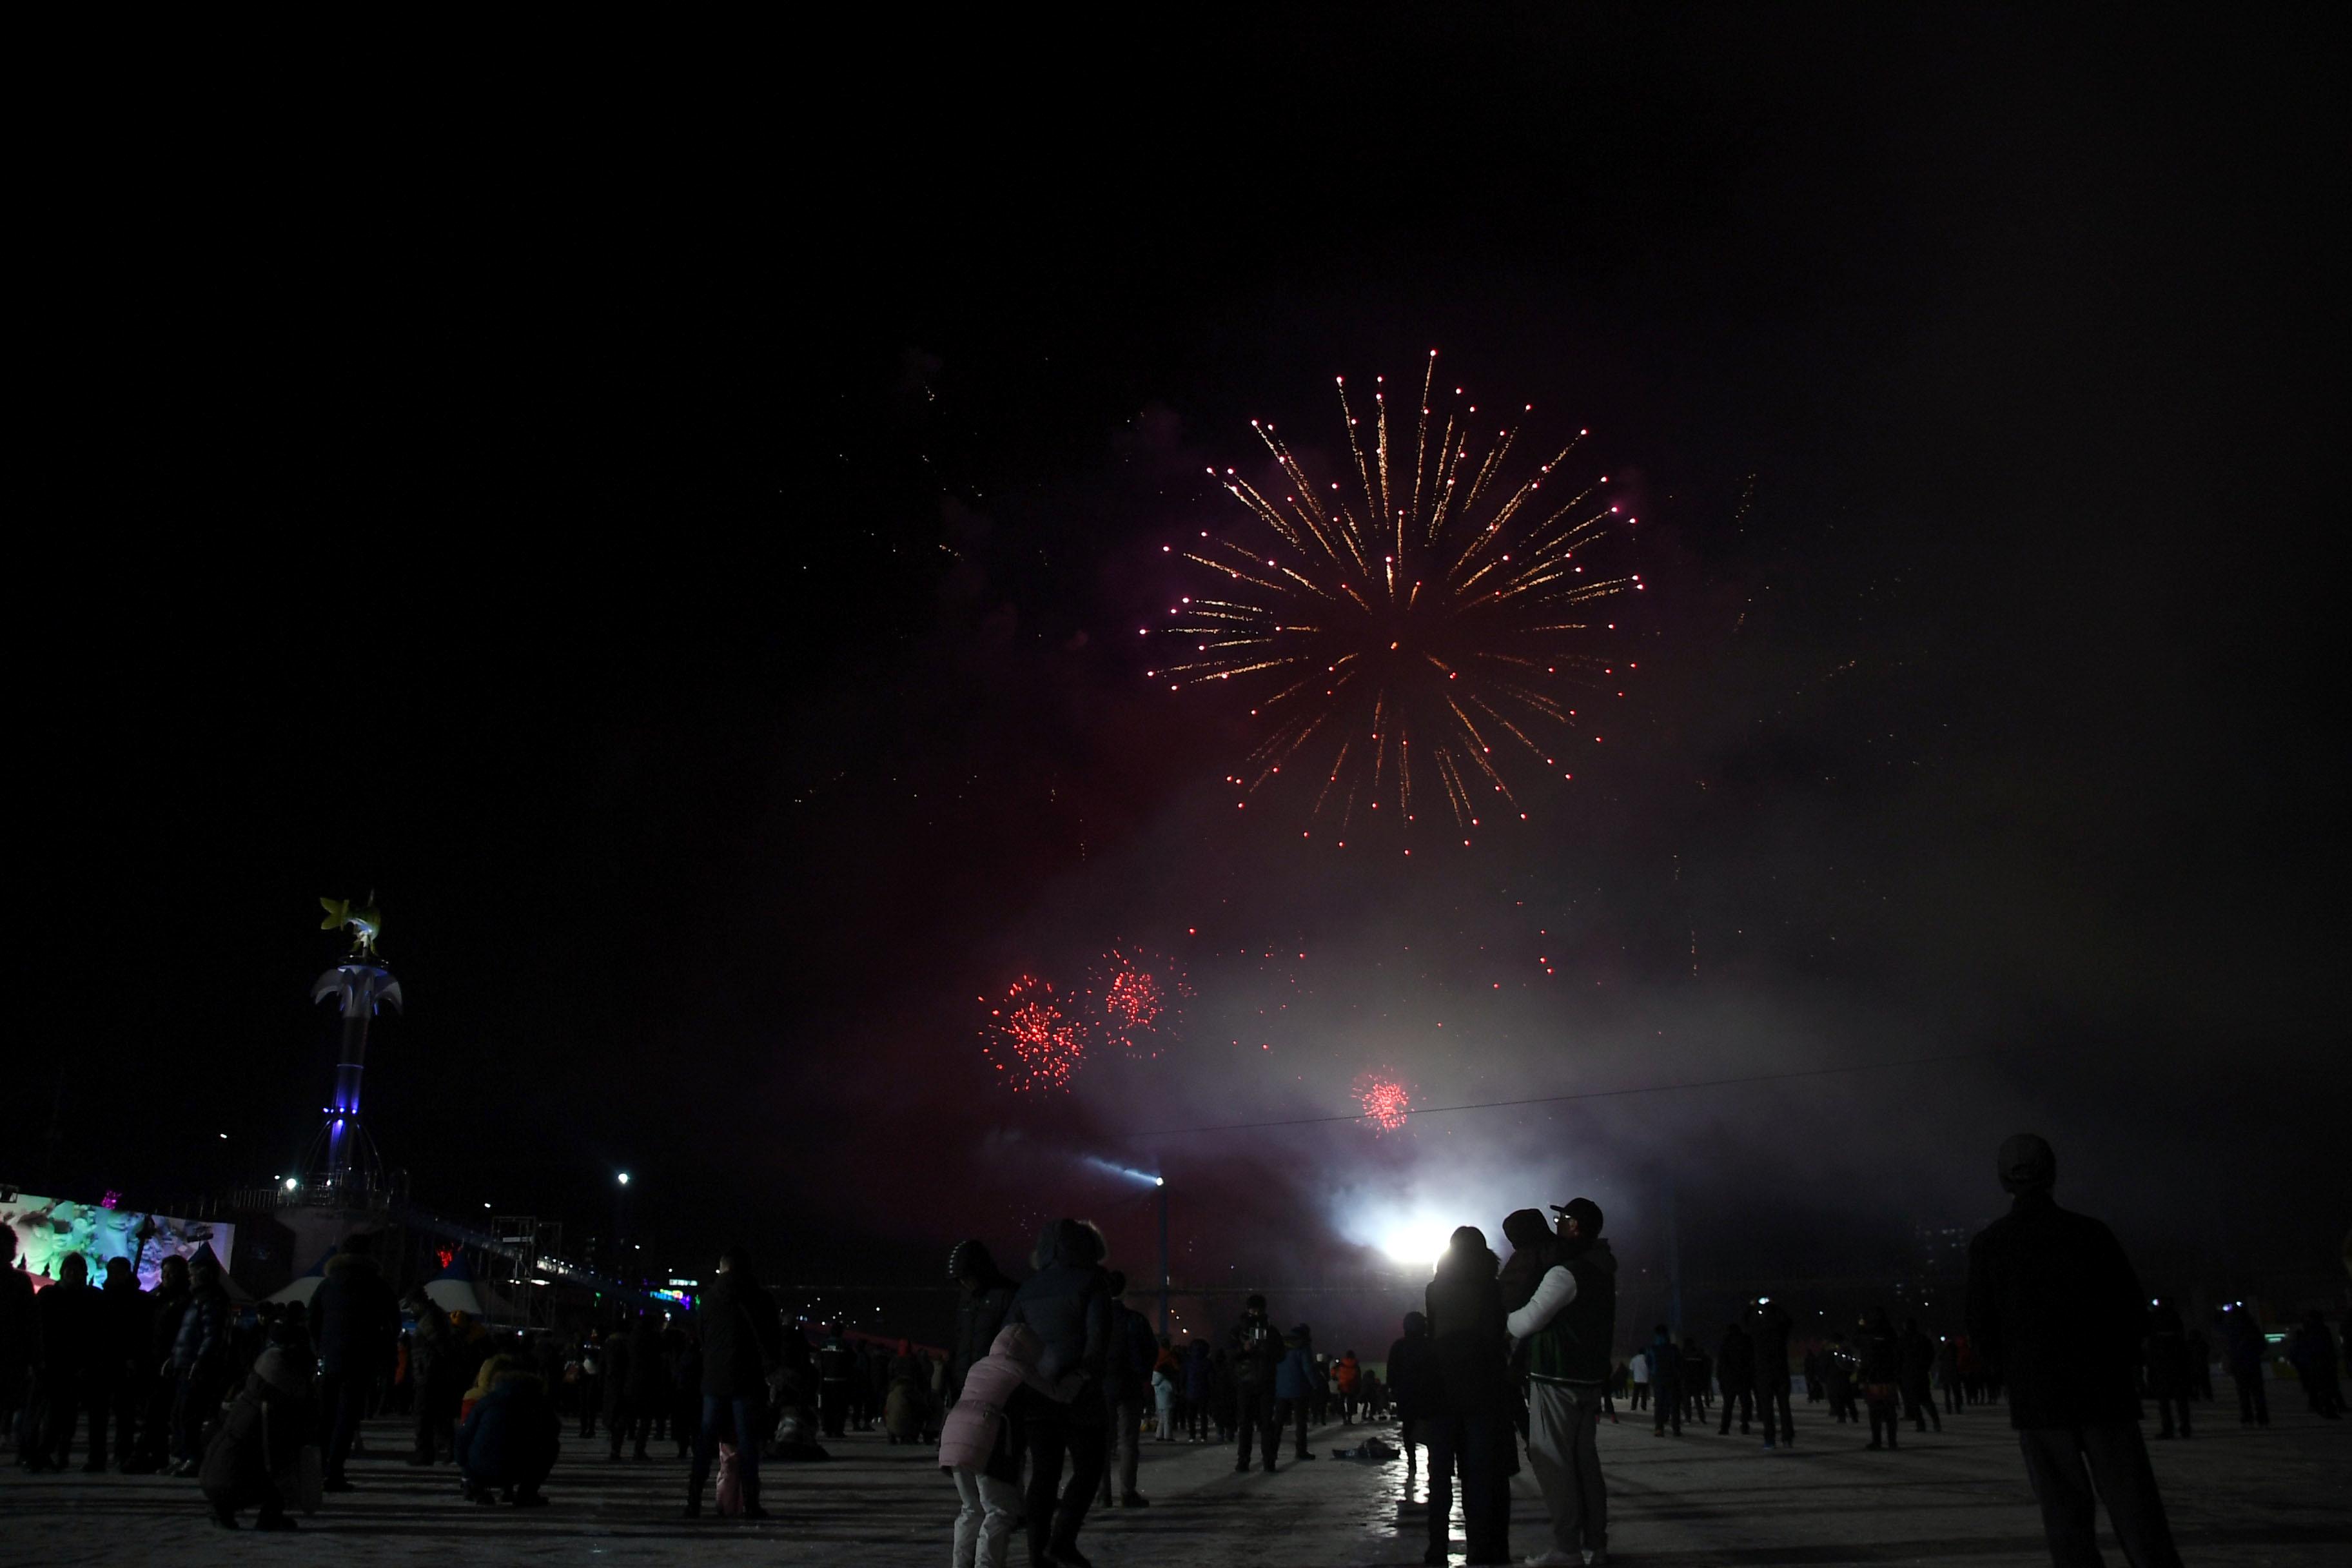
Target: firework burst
1030, 1040
1385, 1098
1417, 625
1135, 1001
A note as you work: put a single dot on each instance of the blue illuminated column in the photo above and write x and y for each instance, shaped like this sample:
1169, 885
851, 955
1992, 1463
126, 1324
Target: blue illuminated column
359, 984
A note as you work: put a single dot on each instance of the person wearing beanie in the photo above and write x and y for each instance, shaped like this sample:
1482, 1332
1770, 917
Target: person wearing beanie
1569, 1326
2055, 1308
1257, 1354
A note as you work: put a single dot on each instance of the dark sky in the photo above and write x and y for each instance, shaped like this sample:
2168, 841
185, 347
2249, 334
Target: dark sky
669, 529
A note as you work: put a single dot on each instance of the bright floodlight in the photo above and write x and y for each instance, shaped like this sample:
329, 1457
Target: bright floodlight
1415, 1243
625, 1178
1159, 1181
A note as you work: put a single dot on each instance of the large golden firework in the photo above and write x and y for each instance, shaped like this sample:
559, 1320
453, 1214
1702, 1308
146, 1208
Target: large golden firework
1432, 622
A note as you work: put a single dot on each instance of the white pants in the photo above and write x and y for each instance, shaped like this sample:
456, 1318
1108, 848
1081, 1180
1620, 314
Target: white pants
985, 1525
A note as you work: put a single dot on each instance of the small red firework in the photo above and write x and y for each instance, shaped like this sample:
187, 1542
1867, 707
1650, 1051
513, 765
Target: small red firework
1136, 999
1033, 1044
1385, 1098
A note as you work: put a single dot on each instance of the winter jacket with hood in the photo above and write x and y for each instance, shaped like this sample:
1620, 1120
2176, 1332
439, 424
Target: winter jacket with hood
1066, 1303
263, 1431
202, 1339
975, 1435
511, 1437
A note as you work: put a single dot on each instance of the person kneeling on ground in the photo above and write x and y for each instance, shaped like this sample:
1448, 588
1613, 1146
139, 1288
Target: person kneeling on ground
510, 1440
256, 1460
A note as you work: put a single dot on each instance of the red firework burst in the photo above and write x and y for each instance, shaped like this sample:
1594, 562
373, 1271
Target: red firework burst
1387, 1102
1031, 1042
1136, 999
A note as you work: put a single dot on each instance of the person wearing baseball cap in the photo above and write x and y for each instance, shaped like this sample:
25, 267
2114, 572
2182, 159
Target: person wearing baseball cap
1569, 1326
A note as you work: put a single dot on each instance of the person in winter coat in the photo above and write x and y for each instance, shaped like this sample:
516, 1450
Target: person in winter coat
251, 1460
153, 1450
2056, 1310
1348, 1373
647, 1391
1197, 1368
743, 1345
2166, 1358
1666, 1382
433, 1363
1838, 1367
20, 1340
2241, 1346
201, 1359
837, 1372
1947, 1373
356, 1324
906, 1408
1256, 1353
124, 1367
978, 1447
1127, 1388
510, 1439
984, 1294
1066, 1304
72, 1336
1295, 1378
1163, 1400
1768, 1339
1734, 1369
618, 1365
1918, 1372
1469, 1424
1879, 1371
1566, 1327
2311, 1350
1411, 1381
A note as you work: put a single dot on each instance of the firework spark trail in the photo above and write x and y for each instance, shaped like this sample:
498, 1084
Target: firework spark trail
1448, 594
1135, 1001
1387, 1102
1035, 1046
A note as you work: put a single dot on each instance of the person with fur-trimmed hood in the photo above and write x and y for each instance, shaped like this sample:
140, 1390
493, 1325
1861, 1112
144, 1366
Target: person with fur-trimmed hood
253, 1461
511, 1437
1569, 1326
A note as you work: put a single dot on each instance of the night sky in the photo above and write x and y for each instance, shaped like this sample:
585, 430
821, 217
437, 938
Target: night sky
679, 541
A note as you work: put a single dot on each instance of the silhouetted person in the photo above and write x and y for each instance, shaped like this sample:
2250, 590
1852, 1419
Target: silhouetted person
1257, 1357
1878, 1363
984, 1294
1838, 1364
72, 1335
153, 1450
1947, 1373
19, 1339
274, 1414
203, 1361
123, 1369
2167, 1357
433, 1375
1918, 1377
1411, 1380
1735, 1368
355, 1325
1768, 1338
1567, 1326
2056, 1310
742, 1343
1127, 1389
1470, 1406
510, 1439
1666, 1383
2242, 1345
1066, 1303
2311, 1349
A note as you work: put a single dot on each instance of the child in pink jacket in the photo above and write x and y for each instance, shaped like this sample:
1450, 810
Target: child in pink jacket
976, 1445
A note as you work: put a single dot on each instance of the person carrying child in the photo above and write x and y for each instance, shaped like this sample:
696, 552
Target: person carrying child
977, 1447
